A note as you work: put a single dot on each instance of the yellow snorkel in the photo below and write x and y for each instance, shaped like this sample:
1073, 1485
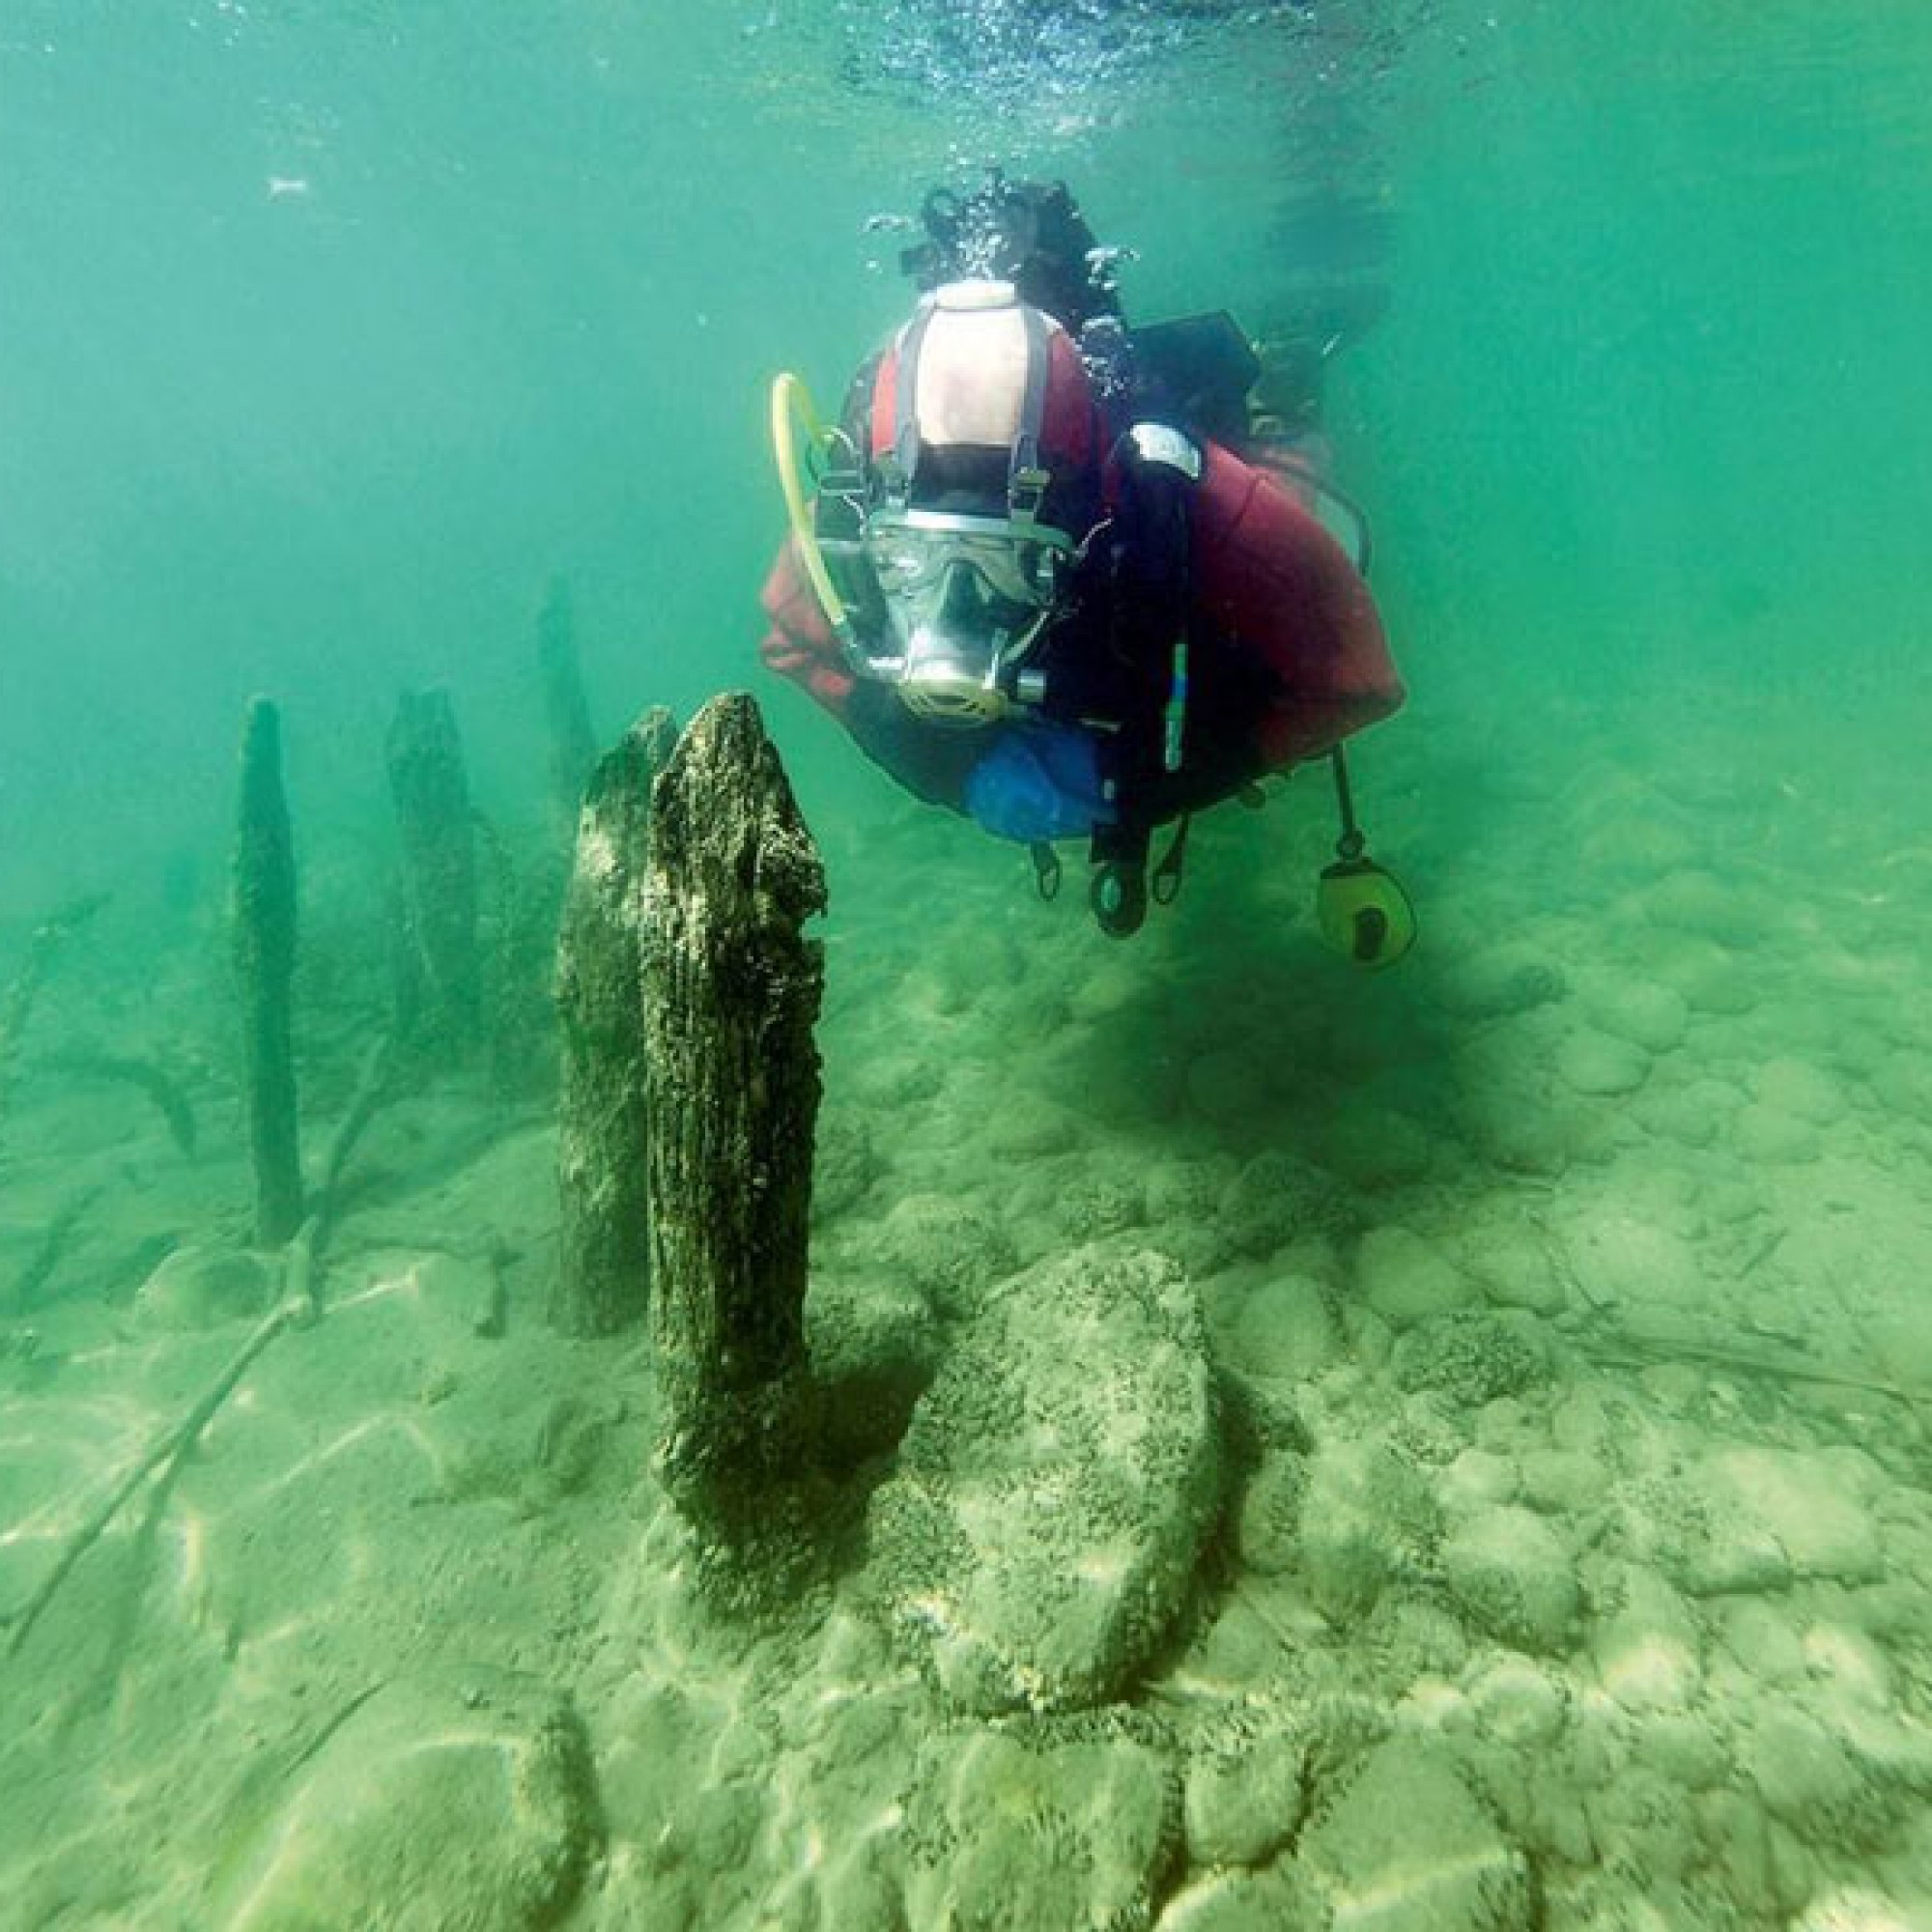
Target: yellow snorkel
791, 411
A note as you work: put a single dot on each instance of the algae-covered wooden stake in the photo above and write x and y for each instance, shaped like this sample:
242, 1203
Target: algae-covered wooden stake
429, 785
731, 990
264, 932
604, 1262
17, 1003
573, 745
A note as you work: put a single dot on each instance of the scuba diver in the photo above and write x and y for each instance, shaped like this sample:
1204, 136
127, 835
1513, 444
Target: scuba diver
1051, 576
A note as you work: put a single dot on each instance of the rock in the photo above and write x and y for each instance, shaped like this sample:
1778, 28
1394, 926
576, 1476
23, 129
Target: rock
456, 1797
1286, 1330
1231, 1088
1269, 1515
1523, 1122
843, 1167
1088, 1205
1186, 1190
1471, 1356
1708, 976
1644, 1273
1763, 1641
1692, 1114
1562, 1482
1056, 1484
1183, 1203
1843, 1908
1503, 980
1642, 1013
202, 1286
1243, 1798
1510, 1573
1520, 1703
1902, 1084
1707, 1550
1699, 902
1601, 1065
1478, 1479
1376, 1148
1625, 838
1104, 989
1275, 1198
947, 1251
1366, 1516
1405, 1280
1688, 1748
1809, 1781
1513, 1268
895, 1082
1806, 1506
1029, 1126
1769, 1135
1851, 1666
874, 1348
859, 1888
1055, 1838
1796, 1087
1277, 1900
1407, 1848
571, 1437
1647, 1653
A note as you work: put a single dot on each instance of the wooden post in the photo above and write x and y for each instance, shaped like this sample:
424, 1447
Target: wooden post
731, 991
17, 1004
264, 933
604, 1261
431, 790
573, 745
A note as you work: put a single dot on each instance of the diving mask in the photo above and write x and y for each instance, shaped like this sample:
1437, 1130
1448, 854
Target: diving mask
965, 599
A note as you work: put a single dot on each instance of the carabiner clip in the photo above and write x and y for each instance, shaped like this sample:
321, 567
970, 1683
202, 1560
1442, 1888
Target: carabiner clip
1167, 875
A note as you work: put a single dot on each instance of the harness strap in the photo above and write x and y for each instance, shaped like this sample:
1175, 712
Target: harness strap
905, 399
1026, 481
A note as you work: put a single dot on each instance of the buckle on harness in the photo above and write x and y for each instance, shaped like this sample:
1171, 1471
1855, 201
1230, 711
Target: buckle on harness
1026, 492
1166, 876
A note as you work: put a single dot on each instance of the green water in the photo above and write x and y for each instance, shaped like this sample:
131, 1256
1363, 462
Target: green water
1649, 395
332, 334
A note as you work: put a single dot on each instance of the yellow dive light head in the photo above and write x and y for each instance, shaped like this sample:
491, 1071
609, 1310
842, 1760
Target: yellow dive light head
1363, 913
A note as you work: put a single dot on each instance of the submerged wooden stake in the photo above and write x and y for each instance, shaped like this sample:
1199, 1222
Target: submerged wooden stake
264, 932
731, 991
17, 1004
431, 788
604, 1262
573, 745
